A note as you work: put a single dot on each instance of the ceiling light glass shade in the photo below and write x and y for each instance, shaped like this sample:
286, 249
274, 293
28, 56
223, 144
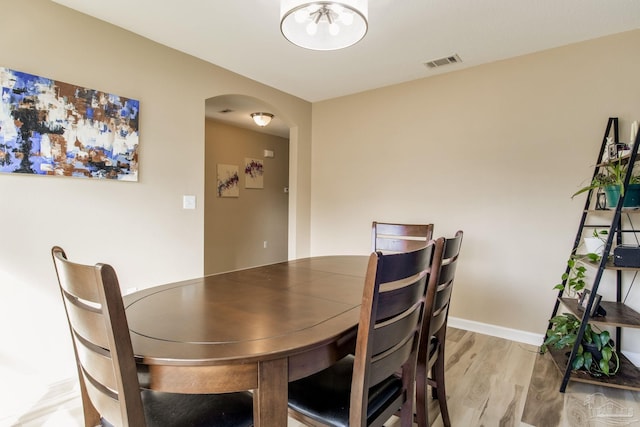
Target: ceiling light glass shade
262, 119
324, 25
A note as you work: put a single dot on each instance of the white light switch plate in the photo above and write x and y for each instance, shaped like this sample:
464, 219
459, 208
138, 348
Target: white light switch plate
188, 202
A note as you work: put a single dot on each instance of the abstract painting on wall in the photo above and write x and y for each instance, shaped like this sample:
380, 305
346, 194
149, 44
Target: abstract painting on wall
48, 127
253, 172
228, 181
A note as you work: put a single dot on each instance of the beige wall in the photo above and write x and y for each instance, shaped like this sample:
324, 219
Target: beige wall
235, 229
496, 150
140, 227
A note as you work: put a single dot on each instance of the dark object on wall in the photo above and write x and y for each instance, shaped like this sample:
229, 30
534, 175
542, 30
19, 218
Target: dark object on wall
626, 256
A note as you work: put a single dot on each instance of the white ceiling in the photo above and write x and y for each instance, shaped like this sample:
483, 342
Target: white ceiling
243, 36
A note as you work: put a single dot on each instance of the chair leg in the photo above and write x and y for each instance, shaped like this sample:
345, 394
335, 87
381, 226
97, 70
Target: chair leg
439, 390
422, 410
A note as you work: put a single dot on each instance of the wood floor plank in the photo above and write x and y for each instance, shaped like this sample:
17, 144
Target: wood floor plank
544, 404
483, 371
518, 365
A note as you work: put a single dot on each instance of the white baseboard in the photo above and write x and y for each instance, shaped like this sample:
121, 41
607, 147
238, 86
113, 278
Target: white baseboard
633, 357
496, 331
515, 334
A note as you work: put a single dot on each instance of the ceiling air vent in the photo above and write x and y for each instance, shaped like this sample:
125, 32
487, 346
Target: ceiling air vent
453, 59
225, 111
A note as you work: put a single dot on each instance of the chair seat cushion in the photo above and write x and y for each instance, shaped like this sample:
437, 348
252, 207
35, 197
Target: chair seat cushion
197, 410
325, 395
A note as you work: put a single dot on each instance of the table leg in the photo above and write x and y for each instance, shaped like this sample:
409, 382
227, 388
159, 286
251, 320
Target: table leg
270, 399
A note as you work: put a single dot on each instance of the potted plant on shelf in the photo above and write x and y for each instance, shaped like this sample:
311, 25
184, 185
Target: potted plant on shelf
611, 181
596, 352
595, 243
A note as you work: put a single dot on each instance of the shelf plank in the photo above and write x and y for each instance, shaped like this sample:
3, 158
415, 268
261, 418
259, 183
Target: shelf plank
634, 209
618, 314
582, 258
627, 378
624, 159
610, 266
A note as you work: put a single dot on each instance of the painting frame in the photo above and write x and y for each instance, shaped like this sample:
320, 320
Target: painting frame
583, 301
228, 181
253, 173
53, 128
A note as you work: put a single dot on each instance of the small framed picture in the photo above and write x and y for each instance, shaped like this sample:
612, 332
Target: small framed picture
601, 200
584, 300
613, 151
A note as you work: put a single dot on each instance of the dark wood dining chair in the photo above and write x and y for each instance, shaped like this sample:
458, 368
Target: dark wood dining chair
430, 370
393, 238
367, 388
111, 393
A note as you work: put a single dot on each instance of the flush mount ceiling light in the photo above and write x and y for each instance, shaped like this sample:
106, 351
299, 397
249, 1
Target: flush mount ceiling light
323, 25
262, 119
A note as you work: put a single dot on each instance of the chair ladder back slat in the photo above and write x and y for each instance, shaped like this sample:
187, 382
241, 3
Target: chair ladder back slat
387, 363
438, 321
402, 266
452, 247
97, 363
74, 277
447, 273
393, 237
387, 334
396, 301
107, 404
440, 308
87, 324
384, 244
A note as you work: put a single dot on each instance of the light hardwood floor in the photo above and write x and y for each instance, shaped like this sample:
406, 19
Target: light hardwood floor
496, 382
491, 382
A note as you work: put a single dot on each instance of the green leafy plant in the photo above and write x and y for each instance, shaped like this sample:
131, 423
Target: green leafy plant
600, 234
596, 352
573, 279
614, 174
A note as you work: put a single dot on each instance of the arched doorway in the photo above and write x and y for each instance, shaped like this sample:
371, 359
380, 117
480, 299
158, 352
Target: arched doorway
248, 225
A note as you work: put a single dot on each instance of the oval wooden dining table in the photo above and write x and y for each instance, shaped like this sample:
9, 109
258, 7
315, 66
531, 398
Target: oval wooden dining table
254, 329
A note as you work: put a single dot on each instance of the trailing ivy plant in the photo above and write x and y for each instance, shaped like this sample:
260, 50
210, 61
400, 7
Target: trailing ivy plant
563, 334
573, 280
